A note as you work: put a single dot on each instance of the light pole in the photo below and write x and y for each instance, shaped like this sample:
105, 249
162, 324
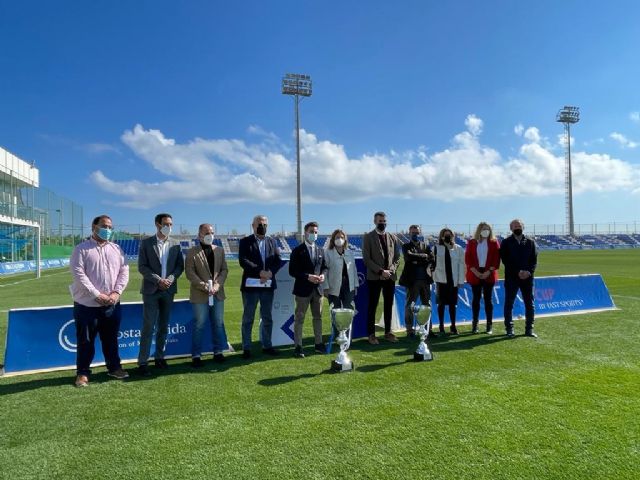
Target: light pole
297, 86
568, 115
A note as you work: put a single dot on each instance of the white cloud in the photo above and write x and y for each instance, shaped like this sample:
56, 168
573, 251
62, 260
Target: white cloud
623, 141
635, 117
474, 124
518, 129
231, 171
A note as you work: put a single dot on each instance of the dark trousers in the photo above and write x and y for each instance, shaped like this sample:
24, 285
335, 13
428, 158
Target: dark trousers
511, 287
388, 288
484, 290
156, 310
93, 321
446, 295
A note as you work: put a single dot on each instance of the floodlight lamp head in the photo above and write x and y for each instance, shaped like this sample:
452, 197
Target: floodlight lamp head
568, 114
297, 84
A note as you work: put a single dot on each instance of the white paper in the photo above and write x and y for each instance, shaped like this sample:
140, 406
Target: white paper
256, 282
210, 285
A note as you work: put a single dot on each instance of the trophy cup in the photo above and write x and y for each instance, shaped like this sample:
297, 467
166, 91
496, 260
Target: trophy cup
342, 318
422, 315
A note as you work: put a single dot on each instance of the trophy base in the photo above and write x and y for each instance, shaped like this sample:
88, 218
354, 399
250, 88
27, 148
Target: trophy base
423, 357
341, 367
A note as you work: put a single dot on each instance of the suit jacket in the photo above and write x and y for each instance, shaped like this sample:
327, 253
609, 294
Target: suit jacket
457, 265
493, 260
251, 260
151, 269
198, 273
373, 255
301, 265
413, 260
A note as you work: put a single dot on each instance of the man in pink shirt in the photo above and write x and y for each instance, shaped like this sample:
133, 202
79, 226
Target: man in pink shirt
100, 275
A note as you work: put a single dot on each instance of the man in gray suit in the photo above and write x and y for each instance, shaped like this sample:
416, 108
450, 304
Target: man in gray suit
160, 262
381, 255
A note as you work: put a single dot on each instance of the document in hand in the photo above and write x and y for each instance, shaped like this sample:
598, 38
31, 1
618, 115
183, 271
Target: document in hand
255, 282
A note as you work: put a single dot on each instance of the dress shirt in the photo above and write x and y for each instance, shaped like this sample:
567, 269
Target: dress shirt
482, 250
97, 268
263, 249
163, 254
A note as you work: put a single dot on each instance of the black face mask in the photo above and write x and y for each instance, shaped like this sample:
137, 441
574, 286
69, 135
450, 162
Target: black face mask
447, 238
381, 227
517, 232
262, 229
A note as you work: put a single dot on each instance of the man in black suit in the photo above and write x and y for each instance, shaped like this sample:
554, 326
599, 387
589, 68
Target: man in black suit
519, 255
416, 277
308, 268
259, 257
160, 262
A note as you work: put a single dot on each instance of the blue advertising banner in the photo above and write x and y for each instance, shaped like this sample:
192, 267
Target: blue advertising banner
44, 338
7, 268
553, 296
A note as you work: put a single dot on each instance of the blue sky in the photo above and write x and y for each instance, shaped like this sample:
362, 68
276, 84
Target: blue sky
436, 112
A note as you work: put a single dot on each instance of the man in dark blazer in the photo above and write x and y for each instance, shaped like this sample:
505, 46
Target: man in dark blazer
160, 262
381, 255
308, 268
519, 255
259, 257
416, 277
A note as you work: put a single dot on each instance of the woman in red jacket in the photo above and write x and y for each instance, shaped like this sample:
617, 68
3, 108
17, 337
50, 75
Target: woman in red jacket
483, 261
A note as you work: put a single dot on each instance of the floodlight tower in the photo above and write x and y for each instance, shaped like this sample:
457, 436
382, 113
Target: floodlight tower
568, 115
297, 85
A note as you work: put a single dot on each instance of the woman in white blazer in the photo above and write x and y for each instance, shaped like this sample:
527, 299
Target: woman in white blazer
448, 276
341, 279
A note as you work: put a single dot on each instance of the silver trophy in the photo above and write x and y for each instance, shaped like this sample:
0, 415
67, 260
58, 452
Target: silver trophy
342, 318
422, 316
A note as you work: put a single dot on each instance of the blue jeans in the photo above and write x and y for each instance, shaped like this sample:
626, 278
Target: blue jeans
215, 314
250, 301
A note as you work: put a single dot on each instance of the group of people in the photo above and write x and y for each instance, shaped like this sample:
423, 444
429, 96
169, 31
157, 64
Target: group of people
100, 275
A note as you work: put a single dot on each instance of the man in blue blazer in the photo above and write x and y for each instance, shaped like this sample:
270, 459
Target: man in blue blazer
259, 257
160, 262
308, 268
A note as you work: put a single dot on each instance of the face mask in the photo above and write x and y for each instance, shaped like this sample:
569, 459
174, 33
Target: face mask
312, 237
165, 230
416, 238
517, 232
339, 242
485, 233
262, 229
447, 238
208, 239
381, 227
105, 233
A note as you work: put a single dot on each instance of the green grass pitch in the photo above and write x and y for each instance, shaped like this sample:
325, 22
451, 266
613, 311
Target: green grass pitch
563, 406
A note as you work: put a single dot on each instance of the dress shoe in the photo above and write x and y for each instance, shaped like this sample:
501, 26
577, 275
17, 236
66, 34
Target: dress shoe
161, 363
489, 331
411, 333
531, 333
510, 333
82, 381
219, 358
118, 374
390, 337
320, 348
373, 340
270, 351
474, 327
143, 371
298, 352
453, 330
197, 362
246, 354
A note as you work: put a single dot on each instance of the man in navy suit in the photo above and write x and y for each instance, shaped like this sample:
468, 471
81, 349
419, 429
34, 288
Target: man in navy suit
308, 268
259, 258
160, 262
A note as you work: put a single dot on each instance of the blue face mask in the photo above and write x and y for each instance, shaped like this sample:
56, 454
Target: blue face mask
105, 233
416, 238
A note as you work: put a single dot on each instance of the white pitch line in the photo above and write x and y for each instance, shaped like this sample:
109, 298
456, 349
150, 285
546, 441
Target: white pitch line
626, 296
30, 279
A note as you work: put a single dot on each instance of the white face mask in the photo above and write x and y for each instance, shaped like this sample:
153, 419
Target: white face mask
208, 239
339, 242
312, 237
485, 233
165, 230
